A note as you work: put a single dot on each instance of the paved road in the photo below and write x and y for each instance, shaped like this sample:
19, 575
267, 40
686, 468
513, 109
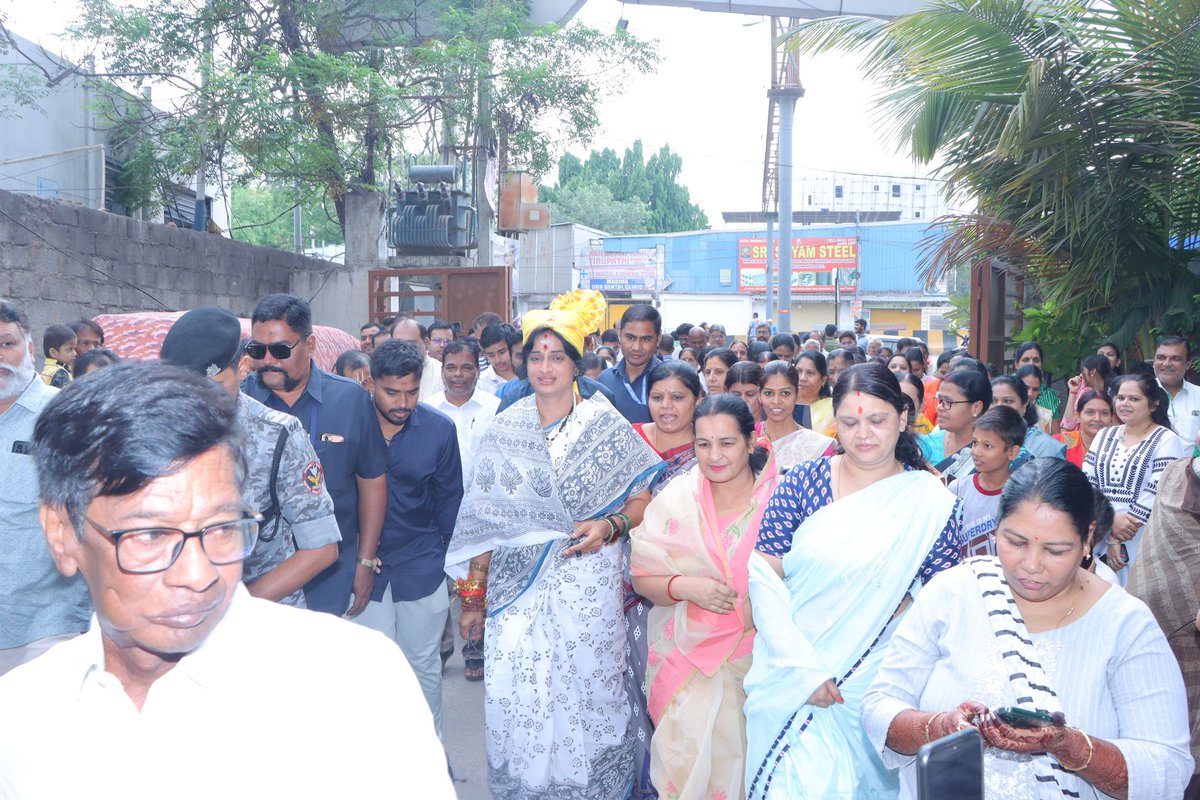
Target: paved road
462, 727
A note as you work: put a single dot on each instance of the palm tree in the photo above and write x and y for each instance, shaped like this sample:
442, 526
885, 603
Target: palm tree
1074, 128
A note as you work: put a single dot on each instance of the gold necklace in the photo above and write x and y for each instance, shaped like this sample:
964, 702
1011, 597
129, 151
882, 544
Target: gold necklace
1071, 611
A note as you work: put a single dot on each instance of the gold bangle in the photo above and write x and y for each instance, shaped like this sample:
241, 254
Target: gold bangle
1091, 752
373, 563
929, 722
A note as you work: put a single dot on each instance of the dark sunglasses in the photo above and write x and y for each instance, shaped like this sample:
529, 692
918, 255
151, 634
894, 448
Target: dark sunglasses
279, 350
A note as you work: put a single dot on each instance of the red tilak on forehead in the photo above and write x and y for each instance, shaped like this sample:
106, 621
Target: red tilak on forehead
860, 409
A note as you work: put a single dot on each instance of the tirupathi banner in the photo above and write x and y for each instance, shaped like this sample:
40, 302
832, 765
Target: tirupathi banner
623, 272
815, 262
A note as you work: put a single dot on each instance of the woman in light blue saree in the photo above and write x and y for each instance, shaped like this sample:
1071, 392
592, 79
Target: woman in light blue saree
558, 480
845, 543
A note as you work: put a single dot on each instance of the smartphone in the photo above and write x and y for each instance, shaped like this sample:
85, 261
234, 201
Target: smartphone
951, 768
1023, 717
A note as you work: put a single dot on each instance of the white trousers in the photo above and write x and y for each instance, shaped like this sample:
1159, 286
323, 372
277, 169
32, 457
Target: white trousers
415, 625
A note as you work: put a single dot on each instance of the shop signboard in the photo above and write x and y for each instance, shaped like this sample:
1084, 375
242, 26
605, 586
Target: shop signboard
816, 263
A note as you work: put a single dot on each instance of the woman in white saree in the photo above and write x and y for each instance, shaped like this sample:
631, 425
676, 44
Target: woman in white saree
557, 481
844, 544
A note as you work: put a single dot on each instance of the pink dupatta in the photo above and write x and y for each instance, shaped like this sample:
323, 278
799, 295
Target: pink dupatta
680, 535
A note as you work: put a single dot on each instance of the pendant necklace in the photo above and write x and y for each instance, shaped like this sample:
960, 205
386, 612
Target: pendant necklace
558, 429
1070, 612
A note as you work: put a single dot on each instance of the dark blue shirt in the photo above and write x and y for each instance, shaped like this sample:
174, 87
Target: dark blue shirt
523, 388
425, 489
339, 418
629, 396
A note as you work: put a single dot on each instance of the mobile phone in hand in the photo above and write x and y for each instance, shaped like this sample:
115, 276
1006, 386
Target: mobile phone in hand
1017, 717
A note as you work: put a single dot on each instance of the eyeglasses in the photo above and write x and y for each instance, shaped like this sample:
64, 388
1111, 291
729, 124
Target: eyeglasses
279, 350
441, 342
944, 403
142, 551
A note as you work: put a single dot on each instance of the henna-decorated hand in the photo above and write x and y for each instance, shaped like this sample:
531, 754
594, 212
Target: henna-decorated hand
1001, 735
955, 720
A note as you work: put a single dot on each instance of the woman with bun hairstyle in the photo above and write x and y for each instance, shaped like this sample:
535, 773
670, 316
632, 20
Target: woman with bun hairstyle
1030, 636
871, 516
691, 559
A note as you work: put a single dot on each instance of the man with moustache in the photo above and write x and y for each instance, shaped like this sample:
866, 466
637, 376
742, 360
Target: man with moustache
340, 422
186, 686
39, 607
298, 537
409, 603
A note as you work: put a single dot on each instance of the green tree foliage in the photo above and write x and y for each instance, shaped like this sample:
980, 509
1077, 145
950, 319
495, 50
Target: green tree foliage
1073, 126
263, 215
592, 204
342, 93
21, 86
623, 195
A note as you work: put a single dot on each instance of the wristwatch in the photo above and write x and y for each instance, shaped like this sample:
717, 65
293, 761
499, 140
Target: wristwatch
373, 563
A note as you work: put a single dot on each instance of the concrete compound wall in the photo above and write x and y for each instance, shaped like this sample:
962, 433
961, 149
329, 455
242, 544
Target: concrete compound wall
60, 262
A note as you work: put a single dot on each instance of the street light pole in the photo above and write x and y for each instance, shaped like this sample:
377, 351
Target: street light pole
786, 94
200, 214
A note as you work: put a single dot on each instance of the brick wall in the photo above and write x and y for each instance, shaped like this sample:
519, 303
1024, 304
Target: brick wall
60, 262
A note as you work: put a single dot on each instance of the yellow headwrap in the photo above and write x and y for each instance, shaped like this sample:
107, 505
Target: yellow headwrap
572, 316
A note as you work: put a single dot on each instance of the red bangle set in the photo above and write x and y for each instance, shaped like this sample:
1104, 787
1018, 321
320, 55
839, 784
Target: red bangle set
673, 597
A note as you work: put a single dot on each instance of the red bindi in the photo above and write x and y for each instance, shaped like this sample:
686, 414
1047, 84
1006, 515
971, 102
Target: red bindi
860, 409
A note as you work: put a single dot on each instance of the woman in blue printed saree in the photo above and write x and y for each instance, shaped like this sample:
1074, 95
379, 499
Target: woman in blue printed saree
557, 480
845, 543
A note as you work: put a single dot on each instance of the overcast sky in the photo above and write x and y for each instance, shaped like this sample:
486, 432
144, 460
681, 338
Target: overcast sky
707, 100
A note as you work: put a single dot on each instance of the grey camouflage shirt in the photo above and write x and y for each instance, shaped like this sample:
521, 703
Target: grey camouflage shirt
304, 519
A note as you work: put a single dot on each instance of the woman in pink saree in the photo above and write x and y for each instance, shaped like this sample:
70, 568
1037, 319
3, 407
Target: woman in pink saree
690, 558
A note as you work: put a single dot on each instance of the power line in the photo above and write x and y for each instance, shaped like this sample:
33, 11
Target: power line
78, 260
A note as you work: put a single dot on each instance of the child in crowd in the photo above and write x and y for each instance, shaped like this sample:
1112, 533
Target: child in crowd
995, 444
58, 345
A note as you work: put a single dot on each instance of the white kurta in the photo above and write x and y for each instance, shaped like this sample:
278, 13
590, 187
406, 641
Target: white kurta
470, 421
1111, 668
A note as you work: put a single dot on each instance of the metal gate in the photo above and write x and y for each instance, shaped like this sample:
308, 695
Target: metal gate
455, 294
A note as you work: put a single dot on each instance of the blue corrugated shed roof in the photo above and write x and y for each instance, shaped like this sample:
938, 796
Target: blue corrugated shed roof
889, 255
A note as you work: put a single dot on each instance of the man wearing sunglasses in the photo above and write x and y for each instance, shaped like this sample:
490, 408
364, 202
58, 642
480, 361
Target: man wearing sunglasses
339, 419
183, 676
298, 537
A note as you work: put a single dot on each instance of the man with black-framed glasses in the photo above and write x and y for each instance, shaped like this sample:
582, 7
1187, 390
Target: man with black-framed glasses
184, 684
339, 420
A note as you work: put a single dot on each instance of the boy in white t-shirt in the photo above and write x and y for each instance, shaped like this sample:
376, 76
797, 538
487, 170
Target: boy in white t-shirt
995, 444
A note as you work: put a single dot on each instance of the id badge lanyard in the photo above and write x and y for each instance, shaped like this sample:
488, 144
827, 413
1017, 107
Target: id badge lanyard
629, 386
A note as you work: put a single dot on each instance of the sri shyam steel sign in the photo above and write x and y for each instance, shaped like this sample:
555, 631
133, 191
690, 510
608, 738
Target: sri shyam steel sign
815, 263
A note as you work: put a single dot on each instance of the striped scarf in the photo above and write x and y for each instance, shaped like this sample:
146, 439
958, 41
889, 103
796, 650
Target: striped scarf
1026, 675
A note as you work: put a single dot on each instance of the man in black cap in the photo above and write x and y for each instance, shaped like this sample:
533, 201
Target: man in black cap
284, 480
